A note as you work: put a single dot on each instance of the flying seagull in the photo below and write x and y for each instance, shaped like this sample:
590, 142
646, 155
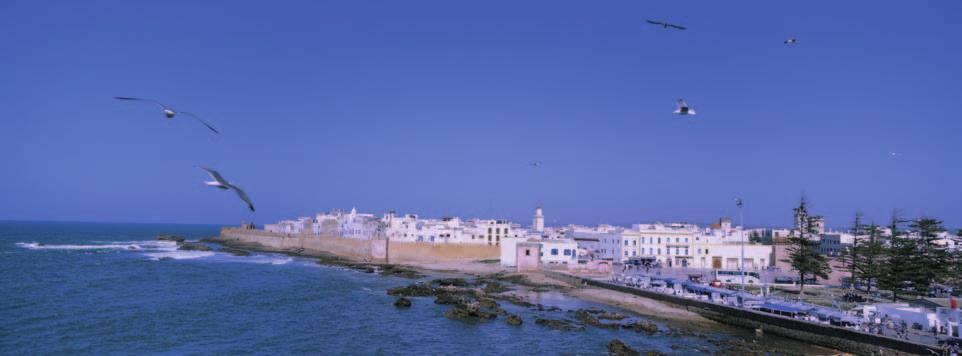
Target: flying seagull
535, 164
169, 111
683, 108
220, 183
665, 24
791, 41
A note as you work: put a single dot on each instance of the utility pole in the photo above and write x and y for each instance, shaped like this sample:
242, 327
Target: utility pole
741, 222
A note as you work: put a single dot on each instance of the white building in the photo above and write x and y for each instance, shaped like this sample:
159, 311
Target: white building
560, 251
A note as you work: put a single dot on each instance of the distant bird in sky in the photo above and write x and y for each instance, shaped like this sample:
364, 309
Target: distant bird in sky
220, 183
535, 164
665, 24
169, 111
683, 108
791, 41
893, 154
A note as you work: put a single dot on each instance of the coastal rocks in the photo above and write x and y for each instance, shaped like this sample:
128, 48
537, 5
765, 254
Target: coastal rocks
413, 290
193, 246
402, 303
618, 348
589, 317
513, 299
173, 238
513, 320
399, 271
641, 326
493, 287
234, 251
488, 303
451, 298
452, 282
559, 324
462, 312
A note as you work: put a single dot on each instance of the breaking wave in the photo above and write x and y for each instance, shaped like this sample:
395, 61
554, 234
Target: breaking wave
128, 245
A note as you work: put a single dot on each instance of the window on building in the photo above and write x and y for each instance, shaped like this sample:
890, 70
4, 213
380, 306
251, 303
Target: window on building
659, 250
659, 241
634, 242
567, 252
686, 251
527, 252
554, 252
626, 253
651, 251
677, 251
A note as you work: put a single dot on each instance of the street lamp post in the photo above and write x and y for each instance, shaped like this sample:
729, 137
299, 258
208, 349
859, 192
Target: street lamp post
741, 222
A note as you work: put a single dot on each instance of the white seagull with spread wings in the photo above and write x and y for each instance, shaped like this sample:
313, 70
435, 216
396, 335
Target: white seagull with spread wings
221, 183
683, 108
169, 112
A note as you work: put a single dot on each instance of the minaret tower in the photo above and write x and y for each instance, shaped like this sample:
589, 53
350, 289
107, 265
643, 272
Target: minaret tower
538, 223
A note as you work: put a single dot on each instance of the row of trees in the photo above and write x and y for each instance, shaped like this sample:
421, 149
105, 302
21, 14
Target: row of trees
908, 259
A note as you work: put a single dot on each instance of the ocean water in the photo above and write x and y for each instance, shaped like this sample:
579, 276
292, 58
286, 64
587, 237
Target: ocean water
92, 288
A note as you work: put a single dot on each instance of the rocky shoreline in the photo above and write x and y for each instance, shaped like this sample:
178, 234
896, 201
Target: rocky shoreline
478, 297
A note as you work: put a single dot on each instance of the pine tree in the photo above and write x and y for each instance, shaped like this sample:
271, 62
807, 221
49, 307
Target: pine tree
933, 260
803, 253
901, 271
850, 256
871, 262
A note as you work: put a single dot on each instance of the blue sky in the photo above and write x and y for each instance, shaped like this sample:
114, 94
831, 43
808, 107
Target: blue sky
436, 107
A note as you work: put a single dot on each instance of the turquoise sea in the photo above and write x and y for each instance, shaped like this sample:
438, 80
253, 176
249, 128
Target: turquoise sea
100, 288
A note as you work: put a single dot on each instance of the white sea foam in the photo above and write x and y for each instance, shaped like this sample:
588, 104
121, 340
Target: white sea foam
108, 246
179, 255
264, 259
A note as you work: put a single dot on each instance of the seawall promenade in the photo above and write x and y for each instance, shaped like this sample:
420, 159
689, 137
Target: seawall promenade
839, 338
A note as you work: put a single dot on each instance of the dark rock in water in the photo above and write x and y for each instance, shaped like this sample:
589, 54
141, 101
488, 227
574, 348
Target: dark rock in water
400, 271
454, 282
193, 246
450, 298
558, 324
611, 316
234, 251
173, 238
641, 326
462, 313
656, 353
618, 348
513, 320
489, 303
402, 303
588, 317
413, 290
493, 287
513, 299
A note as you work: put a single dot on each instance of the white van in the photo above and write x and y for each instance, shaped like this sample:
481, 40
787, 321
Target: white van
735, 276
